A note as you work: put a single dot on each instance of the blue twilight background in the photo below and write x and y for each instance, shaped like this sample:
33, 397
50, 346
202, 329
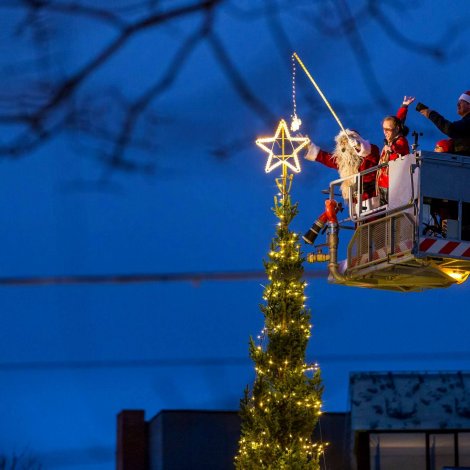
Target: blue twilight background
72, 357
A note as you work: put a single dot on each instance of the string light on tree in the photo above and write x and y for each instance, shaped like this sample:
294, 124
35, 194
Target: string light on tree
280, 411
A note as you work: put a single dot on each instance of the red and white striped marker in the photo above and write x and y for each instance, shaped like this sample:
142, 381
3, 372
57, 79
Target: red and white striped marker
444, 247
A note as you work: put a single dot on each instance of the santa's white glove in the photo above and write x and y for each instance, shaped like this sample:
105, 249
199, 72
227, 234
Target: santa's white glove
313, 151
354, 143
362, 147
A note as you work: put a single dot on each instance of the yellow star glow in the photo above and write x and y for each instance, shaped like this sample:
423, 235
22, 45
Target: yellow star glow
283, 149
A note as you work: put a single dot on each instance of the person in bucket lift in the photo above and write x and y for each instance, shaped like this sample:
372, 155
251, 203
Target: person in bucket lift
459, 130
396, 145
444, 146
351, 155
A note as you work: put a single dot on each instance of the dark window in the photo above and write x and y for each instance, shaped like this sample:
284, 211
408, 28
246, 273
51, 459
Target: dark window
392, 451
440, 218
466, 221
464, 449
409, 450
441, 450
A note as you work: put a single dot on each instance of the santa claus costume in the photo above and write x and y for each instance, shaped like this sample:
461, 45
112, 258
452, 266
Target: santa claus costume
352, 154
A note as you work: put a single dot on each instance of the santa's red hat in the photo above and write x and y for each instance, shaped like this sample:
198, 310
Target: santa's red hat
465, 96
447, 145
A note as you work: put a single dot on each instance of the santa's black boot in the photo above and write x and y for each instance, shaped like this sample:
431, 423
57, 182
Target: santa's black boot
313, 232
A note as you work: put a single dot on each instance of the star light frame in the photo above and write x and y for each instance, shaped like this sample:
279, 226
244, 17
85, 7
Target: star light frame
280, 137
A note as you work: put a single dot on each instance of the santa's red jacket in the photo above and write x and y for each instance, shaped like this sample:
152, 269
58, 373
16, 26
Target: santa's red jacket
368, 161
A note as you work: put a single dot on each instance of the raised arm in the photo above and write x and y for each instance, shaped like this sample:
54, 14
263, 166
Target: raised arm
316, 154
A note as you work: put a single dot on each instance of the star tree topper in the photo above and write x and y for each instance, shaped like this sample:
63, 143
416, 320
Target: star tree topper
283, 149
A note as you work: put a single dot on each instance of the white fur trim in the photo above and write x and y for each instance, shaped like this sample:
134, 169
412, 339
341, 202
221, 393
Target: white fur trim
341, 135
465, 97
313, 151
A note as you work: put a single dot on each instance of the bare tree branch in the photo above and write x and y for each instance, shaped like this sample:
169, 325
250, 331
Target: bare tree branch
39, 109
278, 32
436, 51
361, 54
172, 73
38, 121
72, 8
237, 81
101, 58
22, 461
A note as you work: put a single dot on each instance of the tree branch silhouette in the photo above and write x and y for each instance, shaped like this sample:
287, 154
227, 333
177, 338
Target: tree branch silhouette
44, 107
38, 121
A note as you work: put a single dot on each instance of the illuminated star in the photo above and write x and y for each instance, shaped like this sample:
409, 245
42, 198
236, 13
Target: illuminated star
282, 150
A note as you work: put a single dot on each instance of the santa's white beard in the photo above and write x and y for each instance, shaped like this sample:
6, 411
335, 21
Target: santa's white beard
348, 162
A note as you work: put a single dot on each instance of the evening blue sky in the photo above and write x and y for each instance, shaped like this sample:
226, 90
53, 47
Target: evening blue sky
201, 214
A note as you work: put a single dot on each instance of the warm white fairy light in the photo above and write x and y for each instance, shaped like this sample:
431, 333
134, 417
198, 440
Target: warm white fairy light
296, 122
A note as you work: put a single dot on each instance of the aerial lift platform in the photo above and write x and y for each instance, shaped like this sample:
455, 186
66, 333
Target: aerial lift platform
419, 240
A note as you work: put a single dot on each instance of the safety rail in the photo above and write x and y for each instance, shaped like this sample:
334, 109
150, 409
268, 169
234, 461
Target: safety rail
363, 210
381, 240
356, 202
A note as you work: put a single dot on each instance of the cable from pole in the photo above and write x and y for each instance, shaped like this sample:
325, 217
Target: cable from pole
196, 278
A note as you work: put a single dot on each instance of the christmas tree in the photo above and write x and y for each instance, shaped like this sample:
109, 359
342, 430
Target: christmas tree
281, 410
